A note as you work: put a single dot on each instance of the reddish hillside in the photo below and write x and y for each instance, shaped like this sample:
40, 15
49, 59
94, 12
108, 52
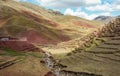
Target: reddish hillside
18, 45
39, 18
84, 24
35, 37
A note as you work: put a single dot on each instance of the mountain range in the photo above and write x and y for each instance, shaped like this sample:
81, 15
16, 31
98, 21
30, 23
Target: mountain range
105, 19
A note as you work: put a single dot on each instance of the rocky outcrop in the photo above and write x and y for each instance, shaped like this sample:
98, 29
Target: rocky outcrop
55, 12
110, 29
51, 64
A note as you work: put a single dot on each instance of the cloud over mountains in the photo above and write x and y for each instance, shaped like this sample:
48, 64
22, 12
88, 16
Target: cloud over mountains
83, 8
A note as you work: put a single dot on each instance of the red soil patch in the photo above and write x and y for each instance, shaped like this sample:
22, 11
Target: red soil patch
15, 72
50, 74
2, 20
18, 45
37, 18
80, 23
35, 37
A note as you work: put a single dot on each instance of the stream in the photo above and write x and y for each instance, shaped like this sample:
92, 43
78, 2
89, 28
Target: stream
56, 68
52, 64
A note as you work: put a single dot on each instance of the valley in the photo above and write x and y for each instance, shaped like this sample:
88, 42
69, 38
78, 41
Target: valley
35, 41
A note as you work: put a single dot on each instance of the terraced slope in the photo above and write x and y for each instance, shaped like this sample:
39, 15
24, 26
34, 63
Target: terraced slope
101, 56
21, 64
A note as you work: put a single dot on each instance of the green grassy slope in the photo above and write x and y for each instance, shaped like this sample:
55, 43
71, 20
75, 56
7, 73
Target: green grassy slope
21, 64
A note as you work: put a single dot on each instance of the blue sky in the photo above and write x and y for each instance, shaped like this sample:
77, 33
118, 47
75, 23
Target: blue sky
88, 9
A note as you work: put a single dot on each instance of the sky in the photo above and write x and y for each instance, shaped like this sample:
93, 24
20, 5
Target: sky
88, 9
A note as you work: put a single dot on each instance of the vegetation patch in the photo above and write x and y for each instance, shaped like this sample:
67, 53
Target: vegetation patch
11, 52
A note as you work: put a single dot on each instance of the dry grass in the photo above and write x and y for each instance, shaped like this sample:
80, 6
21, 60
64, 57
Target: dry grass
28, 66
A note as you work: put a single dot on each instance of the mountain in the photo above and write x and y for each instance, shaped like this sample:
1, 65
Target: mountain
40, 25
104, 19
118, 16
26, 28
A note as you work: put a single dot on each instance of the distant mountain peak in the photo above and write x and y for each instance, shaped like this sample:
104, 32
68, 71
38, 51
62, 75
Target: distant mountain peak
103, 18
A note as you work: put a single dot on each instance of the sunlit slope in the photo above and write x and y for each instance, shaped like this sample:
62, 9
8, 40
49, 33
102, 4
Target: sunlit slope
22, 22
47, 26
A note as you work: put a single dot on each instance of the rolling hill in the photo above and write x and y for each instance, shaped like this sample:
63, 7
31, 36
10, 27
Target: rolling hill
40, 25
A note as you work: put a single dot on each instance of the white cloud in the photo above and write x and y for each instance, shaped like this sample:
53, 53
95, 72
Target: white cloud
117, 7
69, 11
46, 1
92, 6
117, 2
92, 2
106, 7
68, 3
80, 13
20, 0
